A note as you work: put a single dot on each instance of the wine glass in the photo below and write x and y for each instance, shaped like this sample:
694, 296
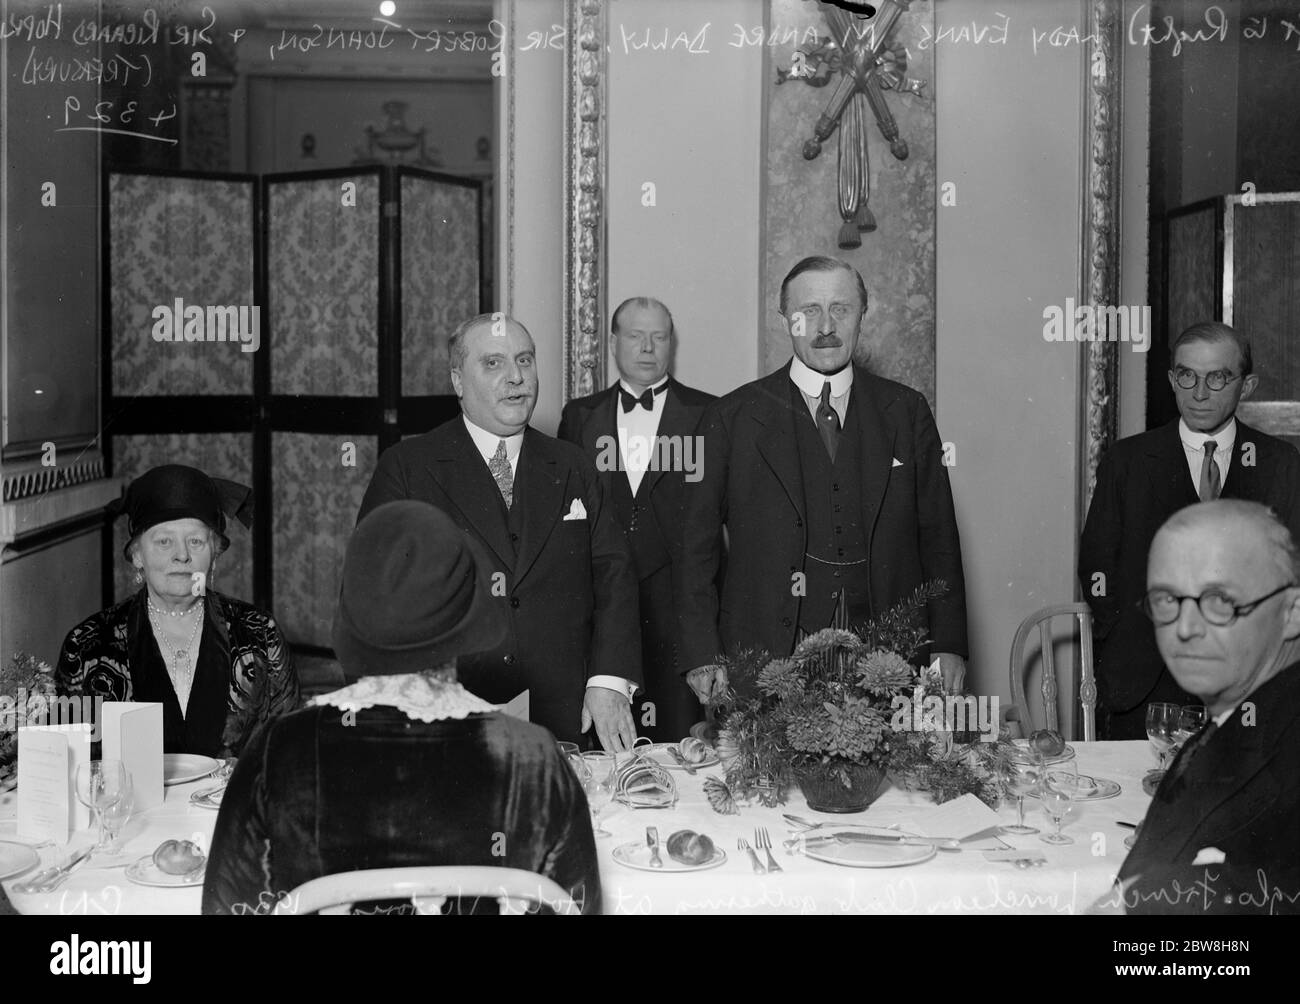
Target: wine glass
1060, 787
1020, 773
116, 815
1191, 719
599, 786
100, 783
1162, 721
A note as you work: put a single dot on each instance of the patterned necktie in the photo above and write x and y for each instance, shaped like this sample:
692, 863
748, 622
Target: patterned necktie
828, 422
499, 466
1209, 473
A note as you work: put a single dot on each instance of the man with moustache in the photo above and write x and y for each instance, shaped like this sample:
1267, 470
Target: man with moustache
644, 422
1206, 454
561, 565
830, 482
1222, 834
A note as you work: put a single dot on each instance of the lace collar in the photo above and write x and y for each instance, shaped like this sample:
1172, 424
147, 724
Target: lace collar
424, 697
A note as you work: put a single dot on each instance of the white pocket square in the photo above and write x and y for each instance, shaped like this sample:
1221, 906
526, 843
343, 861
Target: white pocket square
896, 463
576, 510
1210, 856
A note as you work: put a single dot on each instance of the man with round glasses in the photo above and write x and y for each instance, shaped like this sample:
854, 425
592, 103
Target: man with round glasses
1208, 453
1222, 831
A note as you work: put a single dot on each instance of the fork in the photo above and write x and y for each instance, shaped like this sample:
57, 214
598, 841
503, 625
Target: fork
743, 844
764, 842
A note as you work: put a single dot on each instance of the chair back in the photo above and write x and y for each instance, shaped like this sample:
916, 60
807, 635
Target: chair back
428, 888
1042, 619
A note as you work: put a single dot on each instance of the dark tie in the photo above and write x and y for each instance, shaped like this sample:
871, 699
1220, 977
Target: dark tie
499, 466
1209, 473
1194, 746
828, 422
646, 400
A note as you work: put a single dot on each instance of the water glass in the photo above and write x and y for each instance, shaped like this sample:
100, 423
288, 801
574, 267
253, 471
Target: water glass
1060, 787
599, 786
116, 816
100, 784
1162, 723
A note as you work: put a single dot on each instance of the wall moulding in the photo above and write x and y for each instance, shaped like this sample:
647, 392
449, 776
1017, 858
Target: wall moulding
584, 197
1099, 279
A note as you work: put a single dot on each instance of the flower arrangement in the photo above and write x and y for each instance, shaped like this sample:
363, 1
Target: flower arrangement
26, 685
828, 714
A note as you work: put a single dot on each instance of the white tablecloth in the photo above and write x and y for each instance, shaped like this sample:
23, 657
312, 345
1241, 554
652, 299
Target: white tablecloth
953, 883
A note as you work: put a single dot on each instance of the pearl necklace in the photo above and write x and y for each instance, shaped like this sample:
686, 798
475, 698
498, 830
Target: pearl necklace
172, 613
181, 653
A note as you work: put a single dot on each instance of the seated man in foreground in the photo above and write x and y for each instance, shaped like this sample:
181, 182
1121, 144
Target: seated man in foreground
403, 767
1222, 834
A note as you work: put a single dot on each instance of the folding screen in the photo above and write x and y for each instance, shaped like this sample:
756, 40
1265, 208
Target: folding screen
361, 275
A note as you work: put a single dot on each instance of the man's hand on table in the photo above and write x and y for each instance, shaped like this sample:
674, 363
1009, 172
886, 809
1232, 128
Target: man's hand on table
611, 713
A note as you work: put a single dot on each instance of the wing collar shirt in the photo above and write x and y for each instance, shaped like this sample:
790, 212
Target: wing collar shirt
636, 433
486, 444
810, 384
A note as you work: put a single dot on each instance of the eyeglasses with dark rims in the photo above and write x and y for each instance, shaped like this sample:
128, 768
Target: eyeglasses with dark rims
1216, 606
1188, 379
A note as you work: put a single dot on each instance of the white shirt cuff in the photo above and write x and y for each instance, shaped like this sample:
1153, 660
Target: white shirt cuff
625, 687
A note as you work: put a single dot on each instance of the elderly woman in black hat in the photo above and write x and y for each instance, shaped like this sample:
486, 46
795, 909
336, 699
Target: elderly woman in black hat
403, 767
218, 666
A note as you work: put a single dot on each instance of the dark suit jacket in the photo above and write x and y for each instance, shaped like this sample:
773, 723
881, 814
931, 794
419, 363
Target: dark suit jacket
1241, 794
587, 419
753, 484
571, 594
1141, 482
317, 794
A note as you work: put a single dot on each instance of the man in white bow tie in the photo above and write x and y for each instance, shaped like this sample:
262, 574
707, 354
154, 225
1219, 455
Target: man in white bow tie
831, 484
562, 567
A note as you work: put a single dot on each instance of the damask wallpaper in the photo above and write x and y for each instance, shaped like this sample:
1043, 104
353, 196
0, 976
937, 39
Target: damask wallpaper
219, 455
323, 269
801, 214
440, 277
178, 238
316, 488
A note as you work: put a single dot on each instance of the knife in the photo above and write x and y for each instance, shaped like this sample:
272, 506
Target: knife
850, 837
652, 841
675, 753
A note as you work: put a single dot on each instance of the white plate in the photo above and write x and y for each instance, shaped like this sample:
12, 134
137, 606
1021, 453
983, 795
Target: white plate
16, 858
208, 798
181, 768
1092, 788
145, 872
637, 855
658, 752
856, 855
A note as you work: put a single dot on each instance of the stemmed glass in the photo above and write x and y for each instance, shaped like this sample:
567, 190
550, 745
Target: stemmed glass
116, 815
1060, 787
1191, 718
599, 786
1162, 722
100, 784
1021, 773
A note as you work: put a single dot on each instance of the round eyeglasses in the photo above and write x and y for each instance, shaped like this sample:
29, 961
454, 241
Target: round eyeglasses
1188, 379
1218, 608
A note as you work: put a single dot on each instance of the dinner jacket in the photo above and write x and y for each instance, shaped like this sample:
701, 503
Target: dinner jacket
567, 583
1235, 806
753, 485
1141, 482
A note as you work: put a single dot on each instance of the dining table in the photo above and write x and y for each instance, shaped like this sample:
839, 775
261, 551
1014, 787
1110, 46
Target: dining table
1069, 879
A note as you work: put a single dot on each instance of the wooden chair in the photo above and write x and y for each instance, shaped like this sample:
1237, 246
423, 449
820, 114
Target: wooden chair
1087, 685
428, 888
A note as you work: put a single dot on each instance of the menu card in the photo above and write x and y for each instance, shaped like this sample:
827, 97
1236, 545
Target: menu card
959, 819
517, 707
48, 757
133, 733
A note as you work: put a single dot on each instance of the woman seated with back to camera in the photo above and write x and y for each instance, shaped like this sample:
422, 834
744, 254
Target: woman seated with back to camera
219, 666
403, 767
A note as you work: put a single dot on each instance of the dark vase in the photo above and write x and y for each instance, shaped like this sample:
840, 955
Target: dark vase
825, 791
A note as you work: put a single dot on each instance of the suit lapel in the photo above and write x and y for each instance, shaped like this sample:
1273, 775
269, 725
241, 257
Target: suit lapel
876, 448
678, 420
1170, 477
776, 444
463, 477
602, 421
539, 483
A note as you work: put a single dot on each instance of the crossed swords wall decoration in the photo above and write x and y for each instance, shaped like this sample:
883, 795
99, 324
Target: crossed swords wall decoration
860, 51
